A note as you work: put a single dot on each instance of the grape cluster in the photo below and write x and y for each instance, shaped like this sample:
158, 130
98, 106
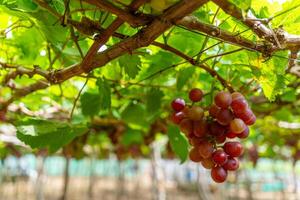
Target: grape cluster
208, 130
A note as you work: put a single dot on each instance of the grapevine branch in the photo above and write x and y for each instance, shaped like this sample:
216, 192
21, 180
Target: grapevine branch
154, 26
286, 40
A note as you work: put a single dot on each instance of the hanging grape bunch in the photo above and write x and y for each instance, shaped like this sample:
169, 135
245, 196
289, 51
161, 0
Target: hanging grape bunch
209, 132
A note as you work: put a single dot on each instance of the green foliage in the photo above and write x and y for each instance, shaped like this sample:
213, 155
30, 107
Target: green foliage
153, 100
105, 93
178, 142
131, 64
183, 76
137, 88
90, 103
44, 134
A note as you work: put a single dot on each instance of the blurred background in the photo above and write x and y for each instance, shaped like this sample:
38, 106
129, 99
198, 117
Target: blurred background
36, 176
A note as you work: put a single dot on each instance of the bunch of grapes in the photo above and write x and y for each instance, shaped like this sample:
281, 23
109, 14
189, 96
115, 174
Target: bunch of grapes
208, 130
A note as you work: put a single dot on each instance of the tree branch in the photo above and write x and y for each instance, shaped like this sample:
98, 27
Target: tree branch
133, 20
103, 38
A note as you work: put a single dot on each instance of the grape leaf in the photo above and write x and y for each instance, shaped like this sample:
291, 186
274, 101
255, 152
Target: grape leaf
90, 103
131, 64
184, 76
134, 114
153, 100
105, 93
48, 134
178, 142
132, 136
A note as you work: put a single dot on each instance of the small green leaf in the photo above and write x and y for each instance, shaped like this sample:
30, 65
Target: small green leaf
184, 75
178, 142
131, 64
105, 93
132, 136
90, 103
153, 100
243, 4
134, 114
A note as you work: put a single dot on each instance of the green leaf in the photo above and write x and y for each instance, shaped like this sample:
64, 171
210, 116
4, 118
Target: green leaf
243, 4
27, 5
153, 100
132, 136
105, 93
131, 64
184, 75
134, 114
178, 142
90, 103
48, 134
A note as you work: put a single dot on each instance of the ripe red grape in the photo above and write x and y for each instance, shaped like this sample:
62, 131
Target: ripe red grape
176, 117
194, 155
214, 110
247, 116
237, 126
215, 128
232, 164
218, 174
223, 99
178, 104
219, 157
195, 95
250, 121
237, 95
200, 128
228, 117
230, 134
224, 116
244, 134
239, 105
233, 149
195, 141
221, 138
186, 126
206, 149
207, 163
195, 113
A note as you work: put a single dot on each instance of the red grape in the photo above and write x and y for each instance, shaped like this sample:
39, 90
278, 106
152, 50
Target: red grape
237, 95
220, 138
186, 126
219, 157
247, 116
206, 149
223, 99
176, 117
232, 164
214, 110
233, 149
195, 95
215, 128
218, 174
224, 116
178, 104
237, 126
207, 163
250, 121
230, 134
244, 134
200, 128
194, 155
195, 113
195, 141
239, 105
